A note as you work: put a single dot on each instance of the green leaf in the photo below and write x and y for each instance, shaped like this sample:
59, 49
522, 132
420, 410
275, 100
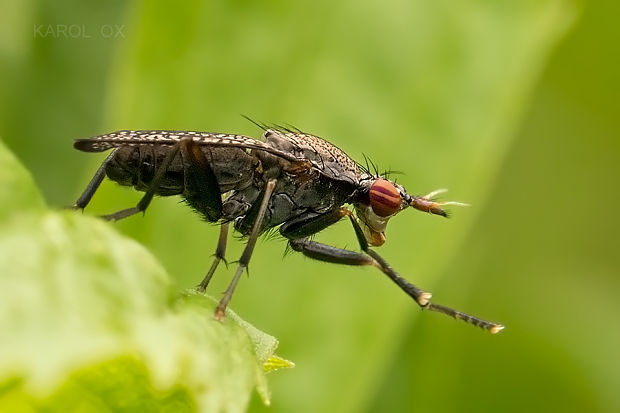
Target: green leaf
17, 190
89, 321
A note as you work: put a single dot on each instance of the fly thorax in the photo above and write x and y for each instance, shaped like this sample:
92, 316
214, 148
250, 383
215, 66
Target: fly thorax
272, 165
279, 140
237, 203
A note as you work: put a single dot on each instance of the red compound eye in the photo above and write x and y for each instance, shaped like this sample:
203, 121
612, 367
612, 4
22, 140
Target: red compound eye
384, 198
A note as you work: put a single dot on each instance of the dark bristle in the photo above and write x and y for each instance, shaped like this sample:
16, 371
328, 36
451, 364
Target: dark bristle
283, 128
374, 168
287, 250
287, 128
389, 172
364, 167
293, 128
260, 125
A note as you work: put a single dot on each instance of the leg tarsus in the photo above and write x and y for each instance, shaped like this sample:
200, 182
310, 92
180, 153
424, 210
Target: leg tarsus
219, 256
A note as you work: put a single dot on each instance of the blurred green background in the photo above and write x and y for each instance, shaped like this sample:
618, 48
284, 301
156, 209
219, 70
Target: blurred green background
511, 105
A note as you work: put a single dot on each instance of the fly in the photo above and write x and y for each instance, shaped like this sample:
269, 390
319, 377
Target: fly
292, 180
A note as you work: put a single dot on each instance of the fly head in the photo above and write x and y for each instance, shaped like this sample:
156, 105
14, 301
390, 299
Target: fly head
380, 199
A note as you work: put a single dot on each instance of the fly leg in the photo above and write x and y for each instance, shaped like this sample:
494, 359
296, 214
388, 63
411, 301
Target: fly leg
249, 248
298, 235
422, 298
220, 251
94, 183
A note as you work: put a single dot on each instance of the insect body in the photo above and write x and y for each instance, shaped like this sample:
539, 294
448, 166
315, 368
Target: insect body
292, 180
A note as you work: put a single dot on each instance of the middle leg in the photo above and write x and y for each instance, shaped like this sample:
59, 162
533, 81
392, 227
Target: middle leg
247, 252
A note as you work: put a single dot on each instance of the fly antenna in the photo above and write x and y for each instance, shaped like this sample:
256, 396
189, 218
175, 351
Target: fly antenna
428, 204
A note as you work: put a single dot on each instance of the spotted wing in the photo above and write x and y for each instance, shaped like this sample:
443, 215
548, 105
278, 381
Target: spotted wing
167, 137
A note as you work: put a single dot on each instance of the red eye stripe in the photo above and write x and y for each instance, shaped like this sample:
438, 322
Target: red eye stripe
384, 198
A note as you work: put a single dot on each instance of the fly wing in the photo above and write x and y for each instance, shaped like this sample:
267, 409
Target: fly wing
167, 137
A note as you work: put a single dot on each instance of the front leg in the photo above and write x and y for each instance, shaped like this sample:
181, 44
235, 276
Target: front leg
299, 230
327, 253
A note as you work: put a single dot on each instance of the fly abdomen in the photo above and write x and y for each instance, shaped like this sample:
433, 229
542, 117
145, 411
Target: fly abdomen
136, 166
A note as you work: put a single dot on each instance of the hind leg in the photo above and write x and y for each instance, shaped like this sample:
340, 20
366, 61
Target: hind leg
94, 183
